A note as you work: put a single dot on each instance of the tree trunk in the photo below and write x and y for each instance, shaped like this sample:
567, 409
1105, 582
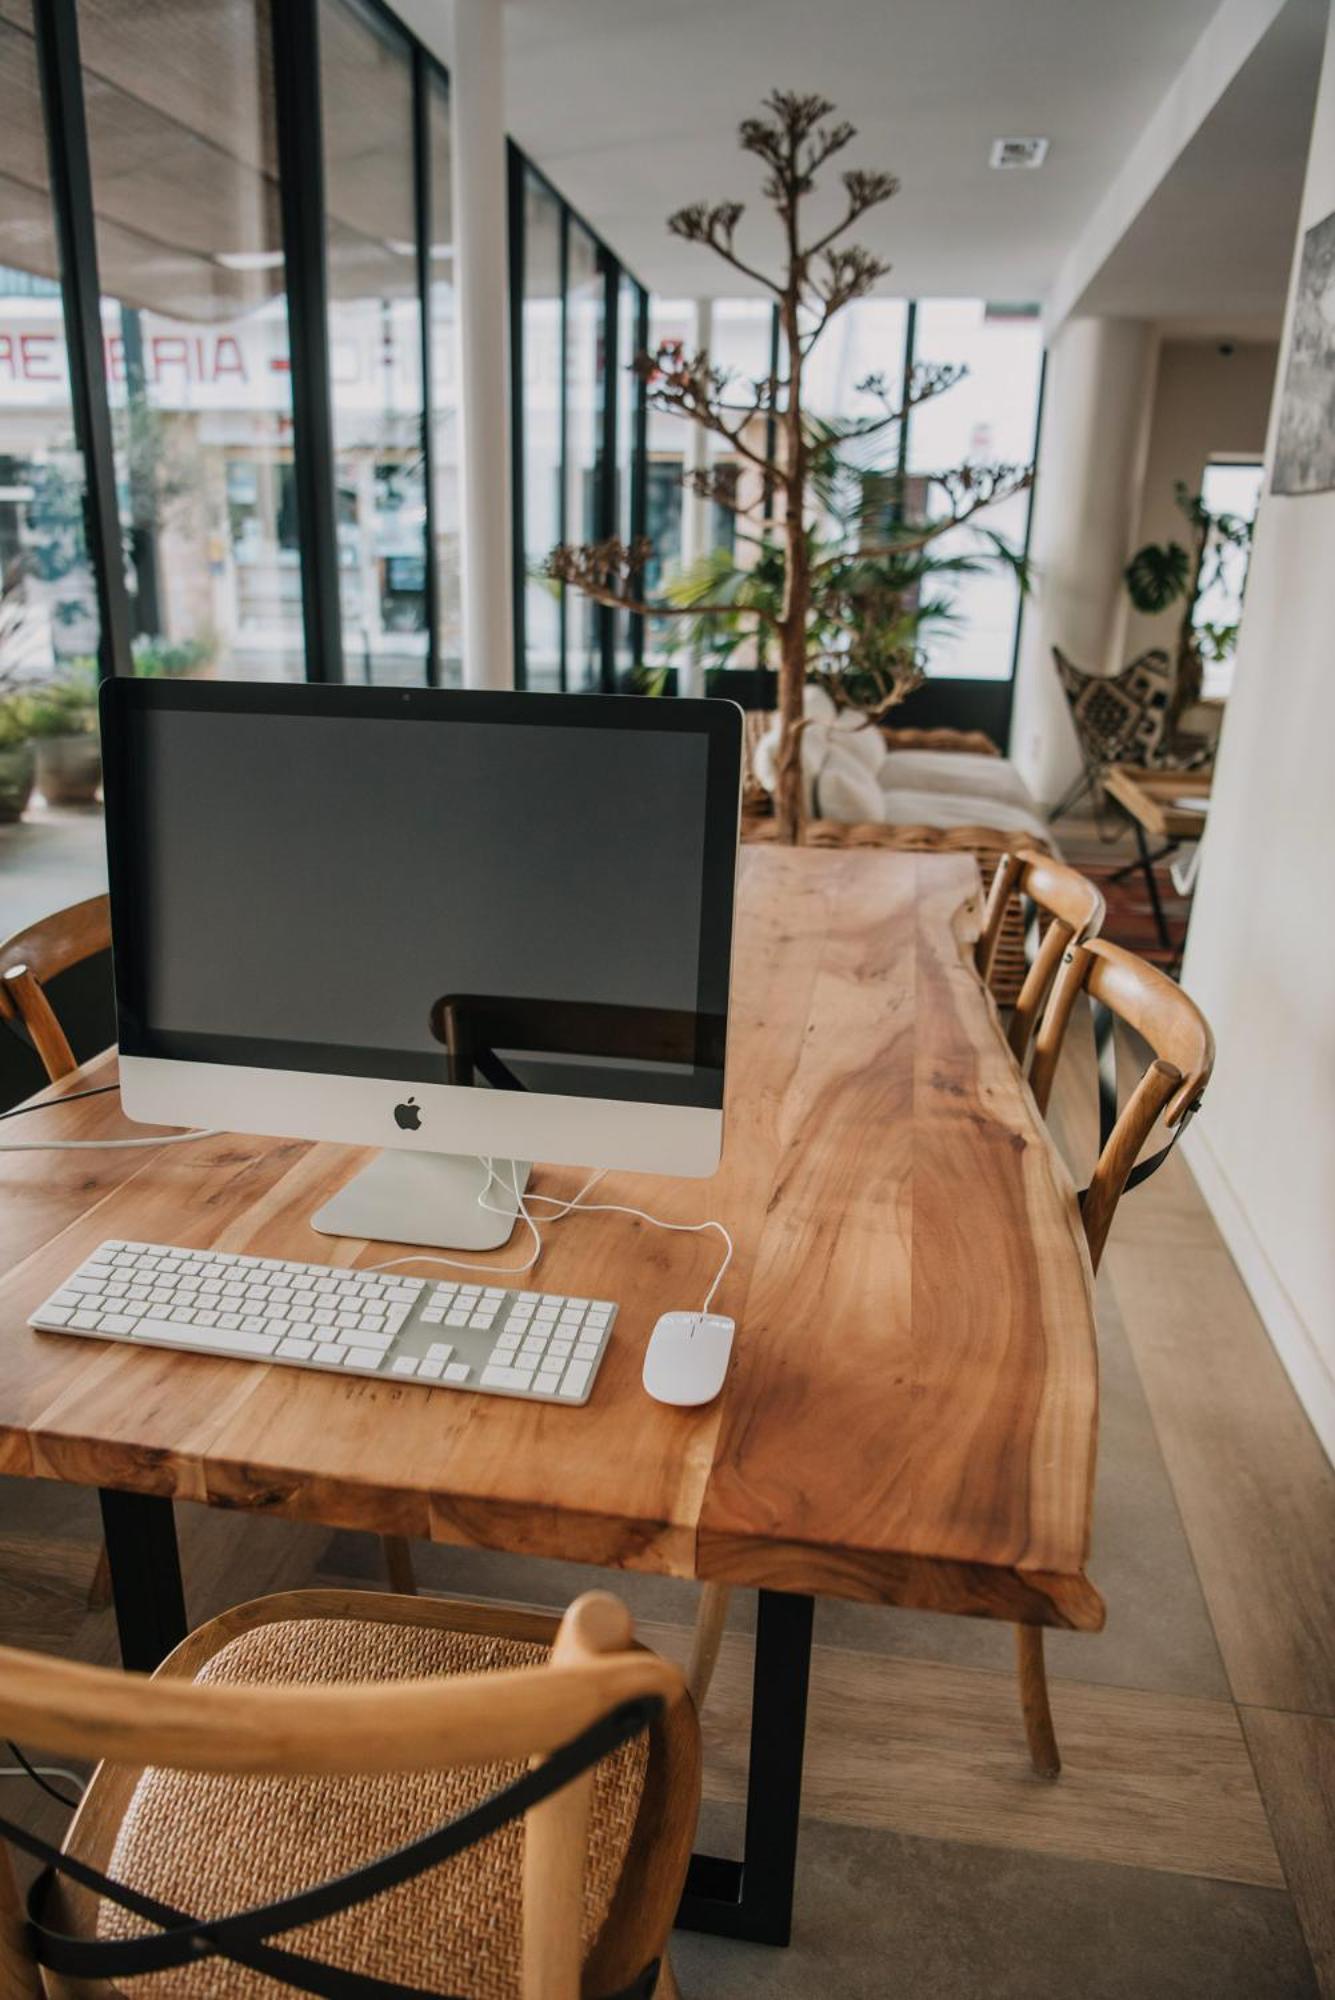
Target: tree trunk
797, 593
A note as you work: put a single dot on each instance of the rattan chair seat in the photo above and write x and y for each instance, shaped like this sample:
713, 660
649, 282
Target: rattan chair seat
212, 1844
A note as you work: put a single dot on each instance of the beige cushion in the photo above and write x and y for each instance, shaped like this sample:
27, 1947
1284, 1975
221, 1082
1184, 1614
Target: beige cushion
844, 787
902, 807
212, 1845
957, 773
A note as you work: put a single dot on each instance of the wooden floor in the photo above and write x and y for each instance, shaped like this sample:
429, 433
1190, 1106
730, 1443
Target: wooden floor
1188, 1849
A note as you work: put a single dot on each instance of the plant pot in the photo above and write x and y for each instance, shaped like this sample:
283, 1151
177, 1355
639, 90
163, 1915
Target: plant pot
18, 768
69, 769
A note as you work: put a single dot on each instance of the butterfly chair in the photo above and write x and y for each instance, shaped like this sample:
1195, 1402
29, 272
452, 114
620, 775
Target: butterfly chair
1123, 988
1074, 909
358, 1795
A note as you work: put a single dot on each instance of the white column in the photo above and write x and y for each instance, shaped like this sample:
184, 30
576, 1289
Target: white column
696, 510
477, 127
1097, 402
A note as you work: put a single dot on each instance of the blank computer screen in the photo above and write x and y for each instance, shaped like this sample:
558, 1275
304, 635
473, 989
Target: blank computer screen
509, 901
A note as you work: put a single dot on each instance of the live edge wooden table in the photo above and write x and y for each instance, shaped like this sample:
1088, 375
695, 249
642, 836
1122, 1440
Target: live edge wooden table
910, 1413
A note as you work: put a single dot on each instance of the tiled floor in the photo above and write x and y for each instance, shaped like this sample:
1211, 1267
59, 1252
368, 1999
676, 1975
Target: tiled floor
1187, 1849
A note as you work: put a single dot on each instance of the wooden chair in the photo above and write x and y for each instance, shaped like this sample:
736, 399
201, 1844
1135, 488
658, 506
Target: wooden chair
31, 957
264, 1759
28, 959
1075, 910
1182, 1049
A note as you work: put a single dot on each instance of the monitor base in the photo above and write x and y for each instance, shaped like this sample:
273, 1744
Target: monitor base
427, 1198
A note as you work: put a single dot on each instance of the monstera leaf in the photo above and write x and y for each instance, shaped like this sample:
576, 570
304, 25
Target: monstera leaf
1158, 575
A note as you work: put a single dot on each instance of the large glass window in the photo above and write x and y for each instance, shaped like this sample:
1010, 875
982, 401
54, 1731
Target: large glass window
991, 415
586, 385
50, 598
441, 306
49, 830
540, 415
375, 342
183, 159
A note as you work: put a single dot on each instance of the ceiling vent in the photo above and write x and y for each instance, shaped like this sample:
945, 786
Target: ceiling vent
1018, 152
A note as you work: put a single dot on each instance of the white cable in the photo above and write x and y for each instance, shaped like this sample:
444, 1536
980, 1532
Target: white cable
461, 1264
576, 1204
657, 1222
97, 1145
45, 1771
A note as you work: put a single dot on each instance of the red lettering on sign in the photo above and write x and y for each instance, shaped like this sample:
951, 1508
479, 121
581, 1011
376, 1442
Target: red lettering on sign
227, 358
114, 349
169, 351
35, 351
7, 361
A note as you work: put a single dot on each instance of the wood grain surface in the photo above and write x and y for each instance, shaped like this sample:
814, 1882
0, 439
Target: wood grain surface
911, 1409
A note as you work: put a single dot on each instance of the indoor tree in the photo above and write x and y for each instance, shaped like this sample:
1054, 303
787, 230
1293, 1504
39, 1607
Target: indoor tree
840, 564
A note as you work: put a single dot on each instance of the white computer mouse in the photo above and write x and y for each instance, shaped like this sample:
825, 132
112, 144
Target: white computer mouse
687, 1357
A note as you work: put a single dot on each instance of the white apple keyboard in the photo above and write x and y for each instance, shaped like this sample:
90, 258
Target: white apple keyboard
541, 1346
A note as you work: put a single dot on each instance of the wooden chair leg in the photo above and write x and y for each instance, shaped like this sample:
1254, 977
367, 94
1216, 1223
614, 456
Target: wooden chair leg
399, 1565
1043, 1752
711, 1615
99, 1589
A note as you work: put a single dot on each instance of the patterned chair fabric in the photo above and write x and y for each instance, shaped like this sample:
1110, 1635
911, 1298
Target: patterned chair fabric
1120, 718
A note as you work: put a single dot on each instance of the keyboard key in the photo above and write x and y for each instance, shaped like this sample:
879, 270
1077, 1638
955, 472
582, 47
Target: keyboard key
457, 1371
439, 1350
546, 1383
431, 1370
494, 1377
329, 1350
294, 1349
217, 1339
362, 1357
405, 1365
432, 1315
576, 1378
456, 1319
507, 1343
53, 1316
586, 1350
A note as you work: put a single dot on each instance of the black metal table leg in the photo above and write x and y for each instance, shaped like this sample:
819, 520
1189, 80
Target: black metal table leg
145, 1568
753, 1898
1147, 866
1142, 859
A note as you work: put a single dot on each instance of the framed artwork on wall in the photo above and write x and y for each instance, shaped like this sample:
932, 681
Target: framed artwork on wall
1305, 445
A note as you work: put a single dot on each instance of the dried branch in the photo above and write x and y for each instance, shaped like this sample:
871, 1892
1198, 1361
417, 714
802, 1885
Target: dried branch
714, 225
605, 572
864, 190
969, 489
927, 379
688, 385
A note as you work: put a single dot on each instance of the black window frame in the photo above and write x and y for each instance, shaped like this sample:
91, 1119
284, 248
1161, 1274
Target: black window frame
613, 271
294, 47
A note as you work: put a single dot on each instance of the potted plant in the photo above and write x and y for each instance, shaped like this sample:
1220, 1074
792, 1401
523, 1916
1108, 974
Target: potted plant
17, 762
841, 571
62, 720
1164, 573
18, 765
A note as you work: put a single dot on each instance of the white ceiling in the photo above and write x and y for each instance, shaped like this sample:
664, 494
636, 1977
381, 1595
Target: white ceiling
1214, 244
632, 107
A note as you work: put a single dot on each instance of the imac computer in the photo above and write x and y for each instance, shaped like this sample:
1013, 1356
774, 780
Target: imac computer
471, 929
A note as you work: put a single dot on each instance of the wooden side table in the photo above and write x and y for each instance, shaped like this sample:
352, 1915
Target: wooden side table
1152, 800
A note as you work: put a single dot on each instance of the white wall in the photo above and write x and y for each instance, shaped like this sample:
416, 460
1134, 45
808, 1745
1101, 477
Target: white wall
1211, 398
1096, 406
1261, 956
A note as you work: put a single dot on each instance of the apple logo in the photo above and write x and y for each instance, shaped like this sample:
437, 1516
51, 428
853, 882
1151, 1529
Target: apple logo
408, 1117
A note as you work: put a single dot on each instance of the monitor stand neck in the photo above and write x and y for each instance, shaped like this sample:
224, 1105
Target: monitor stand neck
427, 1198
